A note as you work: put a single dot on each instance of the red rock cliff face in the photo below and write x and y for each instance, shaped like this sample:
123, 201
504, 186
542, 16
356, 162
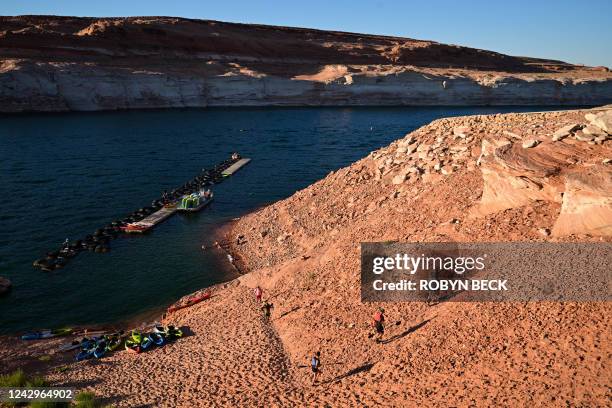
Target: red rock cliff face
67, 63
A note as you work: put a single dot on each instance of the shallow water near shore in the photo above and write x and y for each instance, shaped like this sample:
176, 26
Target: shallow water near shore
65, 175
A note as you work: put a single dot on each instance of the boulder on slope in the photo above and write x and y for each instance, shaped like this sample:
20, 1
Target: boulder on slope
565, 173
602, 120
5, 285
587, 203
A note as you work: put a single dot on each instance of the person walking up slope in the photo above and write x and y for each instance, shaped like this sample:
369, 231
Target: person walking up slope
258, 293
315, 366
267, 308
379, 324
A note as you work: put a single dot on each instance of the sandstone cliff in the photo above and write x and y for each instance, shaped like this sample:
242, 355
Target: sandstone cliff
66, 63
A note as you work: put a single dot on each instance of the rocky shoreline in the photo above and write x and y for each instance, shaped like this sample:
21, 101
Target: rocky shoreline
53, 64
5, 286
474, 178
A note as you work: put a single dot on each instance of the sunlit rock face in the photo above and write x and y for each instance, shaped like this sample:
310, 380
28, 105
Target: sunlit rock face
66, 63
568, 170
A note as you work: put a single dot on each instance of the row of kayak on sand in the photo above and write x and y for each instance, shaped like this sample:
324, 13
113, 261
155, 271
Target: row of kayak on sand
135, 342
47, 334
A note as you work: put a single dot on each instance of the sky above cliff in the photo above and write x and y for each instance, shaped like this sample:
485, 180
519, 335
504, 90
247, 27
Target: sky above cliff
570, 30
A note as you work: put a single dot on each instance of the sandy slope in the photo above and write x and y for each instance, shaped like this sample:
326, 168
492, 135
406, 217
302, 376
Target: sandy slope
304, 252
231, 357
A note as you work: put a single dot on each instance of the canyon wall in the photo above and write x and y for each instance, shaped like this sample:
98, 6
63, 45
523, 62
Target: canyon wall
84, 64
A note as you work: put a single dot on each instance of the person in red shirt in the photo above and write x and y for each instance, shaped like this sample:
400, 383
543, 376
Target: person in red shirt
258, 293
379, 324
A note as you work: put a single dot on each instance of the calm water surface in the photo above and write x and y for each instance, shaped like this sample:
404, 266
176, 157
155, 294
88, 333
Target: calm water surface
65, 175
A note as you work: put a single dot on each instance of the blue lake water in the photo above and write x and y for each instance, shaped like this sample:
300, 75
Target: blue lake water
65, 175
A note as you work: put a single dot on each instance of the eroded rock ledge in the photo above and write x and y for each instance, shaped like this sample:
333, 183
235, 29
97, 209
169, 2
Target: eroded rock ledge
569, 167
64, 63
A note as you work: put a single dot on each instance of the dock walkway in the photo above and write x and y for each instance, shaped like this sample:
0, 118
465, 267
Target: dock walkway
235, 167
155, 218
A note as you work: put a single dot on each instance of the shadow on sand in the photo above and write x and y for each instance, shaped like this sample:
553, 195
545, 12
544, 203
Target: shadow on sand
187, 332
406, 332
361, 369
295, 309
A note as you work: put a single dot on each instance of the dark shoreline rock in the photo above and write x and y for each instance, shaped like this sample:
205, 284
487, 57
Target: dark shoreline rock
5, 286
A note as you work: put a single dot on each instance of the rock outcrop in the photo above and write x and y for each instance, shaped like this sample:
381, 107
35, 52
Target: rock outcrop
5, 285
566, 168
601, 122
65, 63
587, 203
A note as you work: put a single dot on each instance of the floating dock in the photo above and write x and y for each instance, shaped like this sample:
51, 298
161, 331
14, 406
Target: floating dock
235, 167
139, 221
149, 222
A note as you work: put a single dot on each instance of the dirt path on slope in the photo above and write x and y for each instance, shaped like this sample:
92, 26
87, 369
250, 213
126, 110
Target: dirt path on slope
231, 356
